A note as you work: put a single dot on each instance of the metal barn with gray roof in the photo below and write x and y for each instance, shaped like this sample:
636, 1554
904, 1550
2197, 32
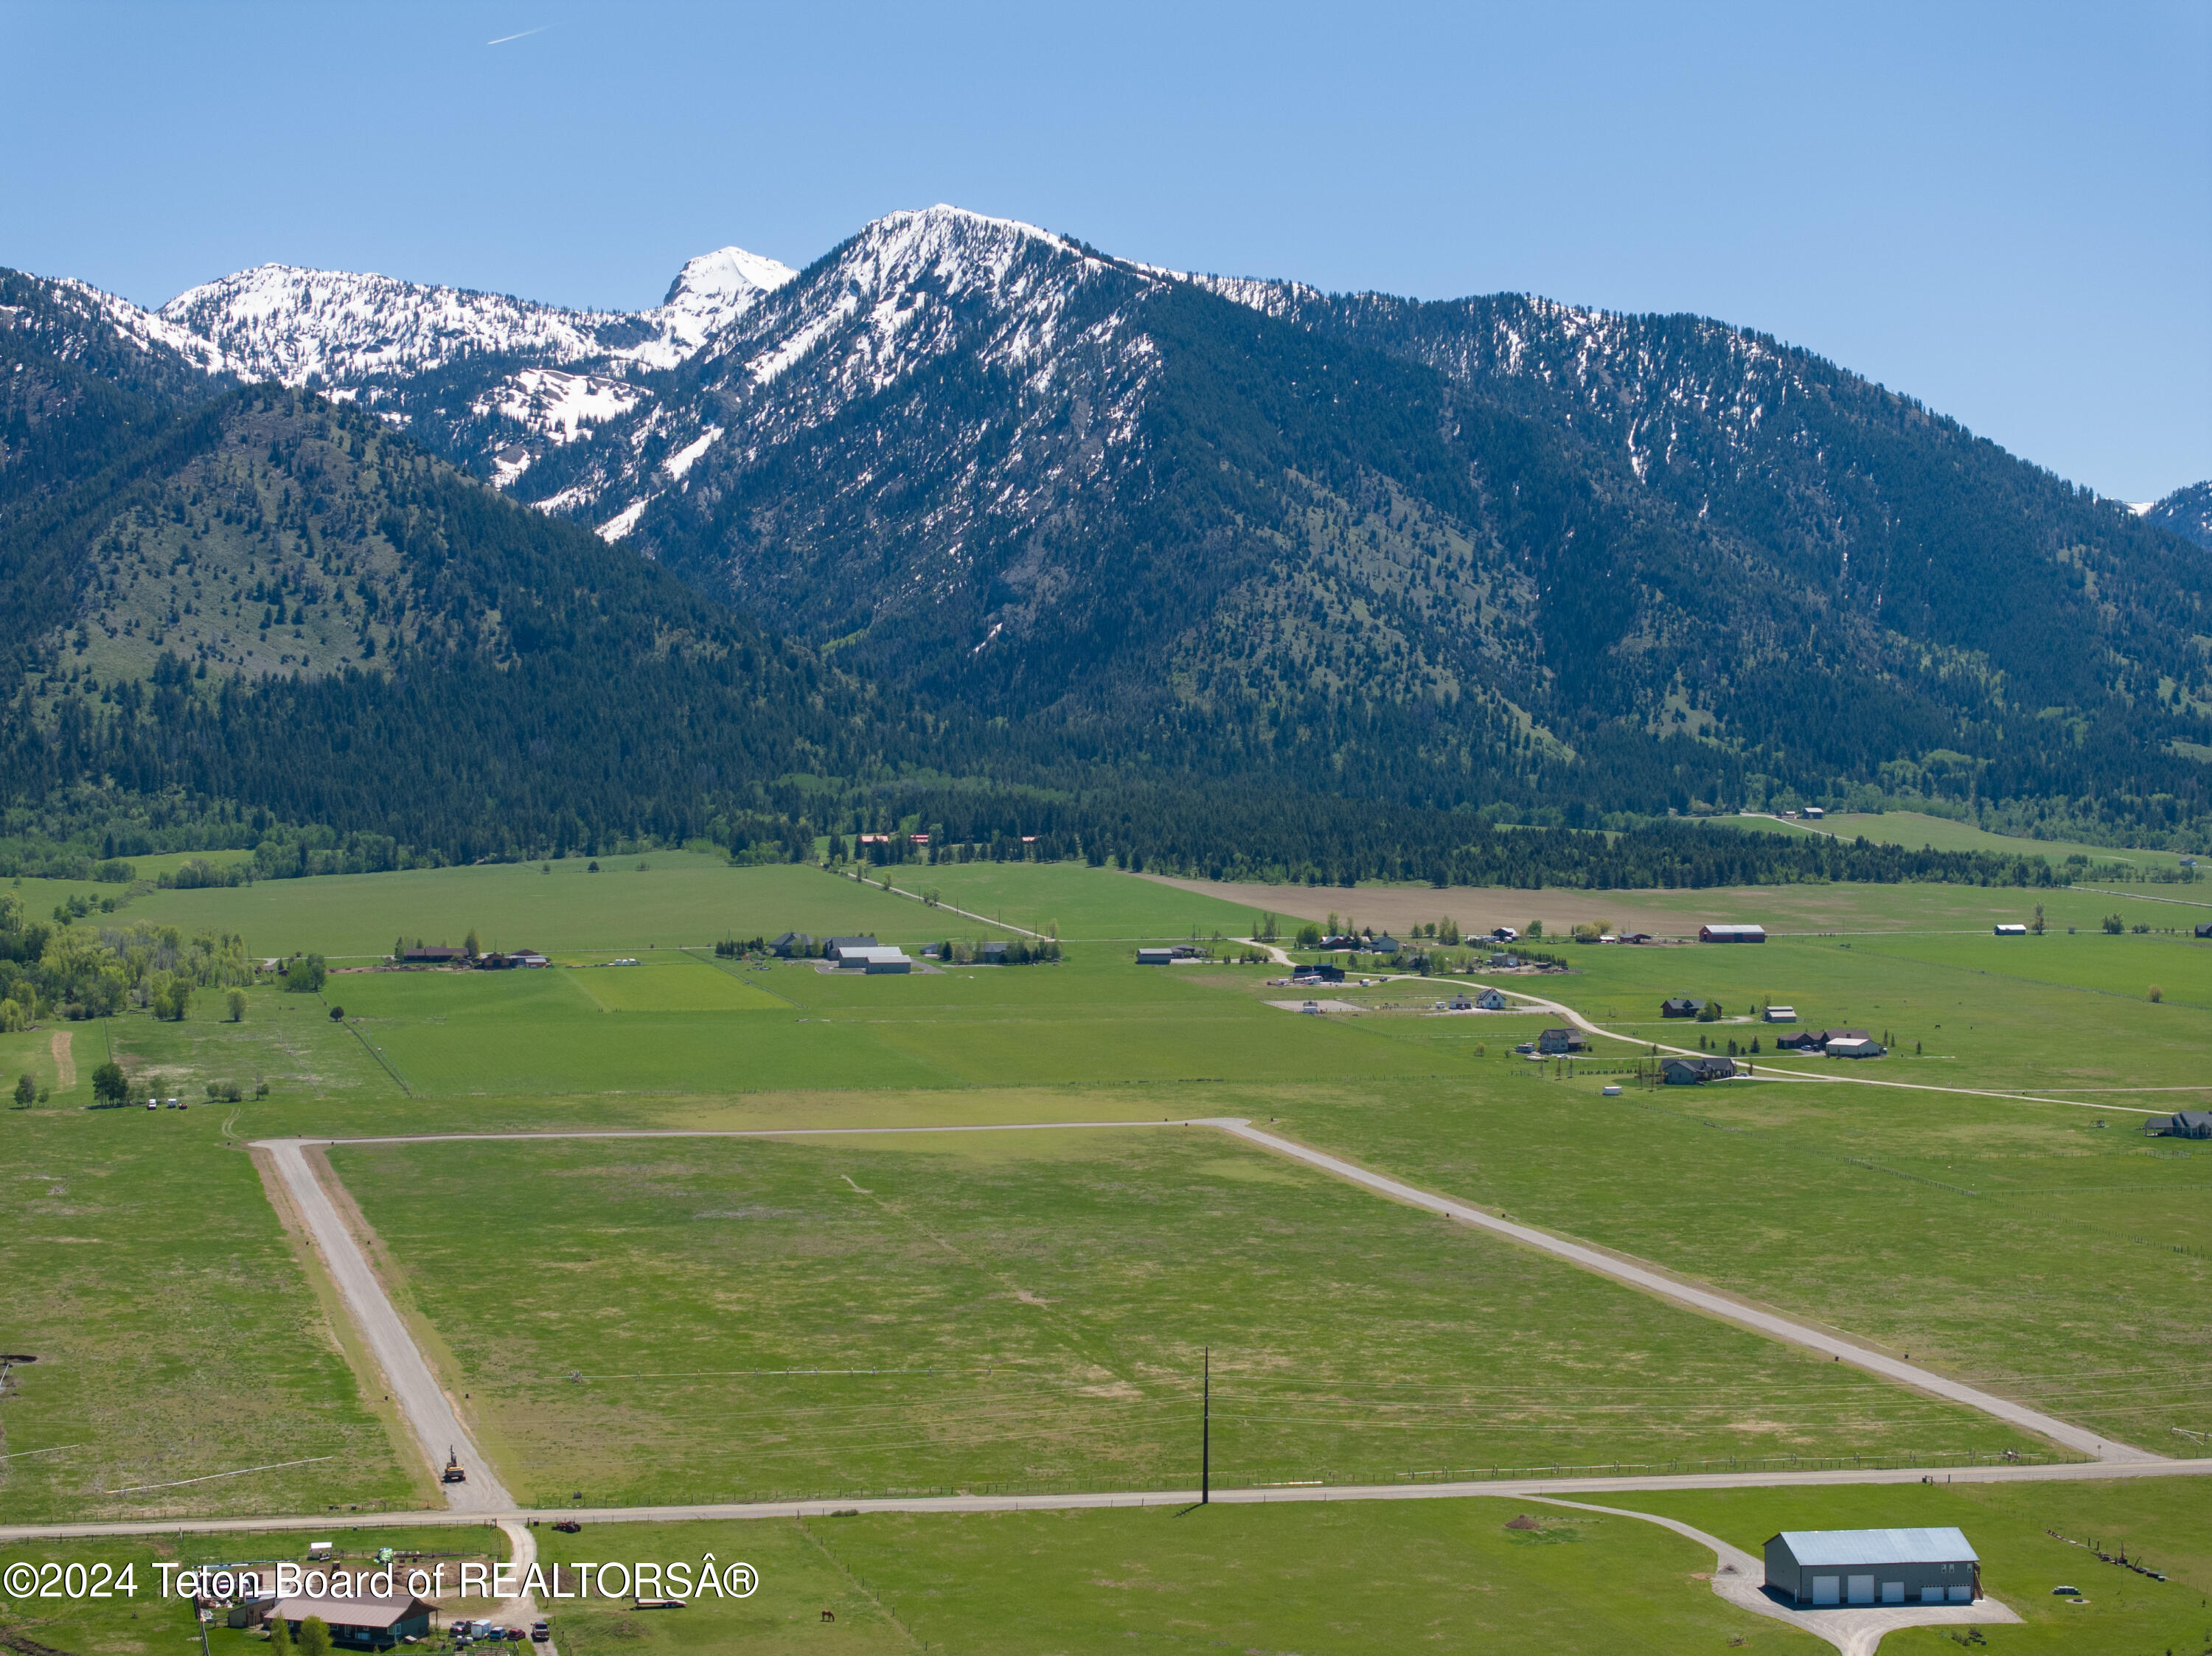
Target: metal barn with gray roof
1815, 1568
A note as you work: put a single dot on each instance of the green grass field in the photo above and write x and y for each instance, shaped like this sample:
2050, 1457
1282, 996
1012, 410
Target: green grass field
1445, 1575
1914, 829
712, 1320
682, 898
1081, 901
176, 1336
1056, 1288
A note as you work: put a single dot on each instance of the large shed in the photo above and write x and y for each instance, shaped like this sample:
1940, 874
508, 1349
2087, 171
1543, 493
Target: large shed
1731, 934
361, 1623
1813, 1568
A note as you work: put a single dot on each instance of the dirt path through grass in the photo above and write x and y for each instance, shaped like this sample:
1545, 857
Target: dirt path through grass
64, 1065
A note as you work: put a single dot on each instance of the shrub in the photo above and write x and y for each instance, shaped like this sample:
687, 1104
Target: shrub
27, 1092
337, 1015
2155, 995
234, 1001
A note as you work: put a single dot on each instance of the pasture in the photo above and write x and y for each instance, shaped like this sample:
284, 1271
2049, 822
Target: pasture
682, 898
180, 1341
1842, 909
1353, 1578
1915, 829
718, 1319
2012, 1242
1081, 901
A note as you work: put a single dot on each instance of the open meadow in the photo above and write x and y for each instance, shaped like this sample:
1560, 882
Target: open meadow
716, 1320
1915, 829
625, 1320
1841, 909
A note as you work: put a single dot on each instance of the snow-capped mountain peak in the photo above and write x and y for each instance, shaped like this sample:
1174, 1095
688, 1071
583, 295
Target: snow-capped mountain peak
711, 292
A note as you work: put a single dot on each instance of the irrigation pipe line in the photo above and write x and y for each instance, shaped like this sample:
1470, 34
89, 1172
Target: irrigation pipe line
2144, 896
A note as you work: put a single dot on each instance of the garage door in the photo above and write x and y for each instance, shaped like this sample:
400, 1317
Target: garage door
1859, 1590
1827, 1589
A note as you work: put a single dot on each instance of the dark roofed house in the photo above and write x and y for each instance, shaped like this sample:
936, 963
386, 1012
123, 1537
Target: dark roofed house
1799, 1040
1385, 945
1323, 973
2183, 1124
1552, 1041
992, 954
361, 1623
2205, 929
1695, 1071
788, 943
1815, 1568
1680, 1006
439, 955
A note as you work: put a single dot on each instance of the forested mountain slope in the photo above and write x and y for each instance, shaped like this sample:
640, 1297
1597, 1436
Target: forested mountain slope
1491, 548
1089, 524
2186, 513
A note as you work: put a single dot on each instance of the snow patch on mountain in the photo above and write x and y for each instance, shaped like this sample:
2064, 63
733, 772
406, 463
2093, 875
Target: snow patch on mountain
622, 521
549, 403
681, 462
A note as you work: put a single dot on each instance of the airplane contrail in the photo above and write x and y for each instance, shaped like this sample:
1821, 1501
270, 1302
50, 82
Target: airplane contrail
504, 39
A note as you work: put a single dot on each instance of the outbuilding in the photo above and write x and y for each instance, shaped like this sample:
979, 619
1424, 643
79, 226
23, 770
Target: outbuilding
874, 962
1323, 973
1780, 1014
1854, 1045
1156, 957
361, 1623
2182, 1124
2014, 930
1816, 1569
1731, 934
834, 949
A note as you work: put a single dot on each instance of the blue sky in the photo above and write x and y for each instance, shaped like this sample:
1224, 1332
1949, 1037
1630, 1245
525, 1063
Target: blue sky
2006, 210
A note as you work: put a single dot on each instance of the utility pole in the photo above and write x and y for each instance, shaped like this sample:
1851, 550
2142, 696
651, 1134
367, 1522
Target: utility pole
1206, 1429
